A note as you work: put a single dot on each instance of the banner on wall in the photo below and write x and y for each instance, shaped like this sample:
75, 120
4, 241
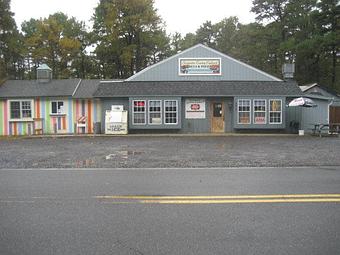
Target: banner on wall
195, 108
200, 66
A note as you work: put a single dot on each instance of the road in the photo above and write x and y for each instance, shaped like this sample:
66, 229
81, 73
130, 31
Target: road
170, 211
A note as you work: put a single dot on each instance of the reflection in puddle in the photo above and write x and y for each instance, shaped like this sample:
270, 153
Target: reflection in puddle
84, 163
122, 154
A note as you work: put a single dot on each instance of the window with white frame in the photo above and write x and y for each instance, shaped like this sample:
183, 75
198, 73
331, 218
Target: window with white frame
259, 111
57, 107
275, 111
170, 111
139, 112
155, 112
21, 109
243, 111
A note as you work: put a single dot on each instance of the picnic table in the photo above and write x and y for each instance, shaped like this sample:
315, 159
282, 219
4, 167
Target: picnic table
332, 128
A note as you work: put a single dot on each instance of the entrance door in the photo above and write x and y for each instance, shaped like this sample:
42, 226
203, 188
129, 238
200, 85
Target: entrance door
334, 114
217, 117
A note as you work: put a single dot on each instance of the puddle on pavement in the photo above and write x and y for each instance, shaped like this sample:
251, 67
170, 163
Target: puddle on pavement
85, 163
124, 154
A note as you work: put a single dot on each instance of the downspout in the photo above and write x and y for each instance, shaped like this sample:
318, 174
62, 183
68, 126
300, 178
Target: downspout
329, 105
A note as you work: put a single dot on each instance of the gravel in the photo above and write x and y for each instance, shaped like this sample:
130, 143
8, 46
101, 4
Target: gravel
171, 151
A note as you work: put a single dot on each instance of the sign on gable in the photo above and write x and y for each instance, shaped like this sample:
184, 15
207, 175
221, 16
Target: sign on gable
199, 66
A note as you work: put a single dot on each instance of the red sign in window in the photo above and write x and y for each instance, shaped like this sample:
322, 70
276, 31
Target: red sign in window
195, 107
139, 103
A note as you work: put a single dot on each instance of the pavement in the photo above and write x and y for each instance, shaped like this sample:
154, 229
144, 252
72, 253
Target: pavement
294, 210
169, 151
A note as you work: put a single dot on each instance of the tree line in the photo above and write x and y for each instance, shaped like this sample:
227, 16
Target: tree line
129, 35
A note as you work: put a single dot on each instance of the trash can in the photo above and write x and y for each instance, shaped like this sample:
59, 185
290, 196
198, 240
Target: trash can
97, 127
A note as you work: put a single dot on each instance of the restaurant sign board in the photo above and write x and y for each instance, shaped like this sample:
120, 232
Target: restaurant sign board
199, 66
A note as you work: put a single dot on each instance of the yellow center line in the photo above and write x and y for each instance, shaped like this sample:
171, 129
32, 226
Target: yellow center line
243, 201
278, 196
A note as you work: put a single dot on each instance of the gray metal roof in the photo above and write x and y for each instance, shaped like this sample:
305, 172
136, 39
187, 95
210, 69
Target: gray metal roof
198, 88
33, 88
86, 88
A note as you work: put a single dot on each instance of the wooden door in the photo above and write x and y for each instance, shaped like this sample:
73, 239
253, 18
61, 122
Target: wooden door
217, 117
334, 114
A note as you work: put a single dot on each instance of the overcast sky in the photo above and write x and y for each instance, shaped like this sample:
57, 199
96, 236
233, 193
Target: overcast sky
179, 15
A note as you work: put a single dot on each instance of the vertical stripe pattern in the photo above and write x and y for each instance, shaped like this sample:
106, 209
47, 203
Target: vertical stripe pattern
74, 109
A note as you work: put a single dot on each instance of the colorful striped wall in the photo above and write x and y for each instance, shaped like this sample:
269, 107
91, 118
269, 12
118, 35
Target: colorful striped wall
91, 109
53, 124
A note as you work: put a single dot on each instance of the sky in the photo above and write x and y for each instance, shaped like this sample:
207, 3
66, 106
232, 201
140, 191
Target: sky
181, 16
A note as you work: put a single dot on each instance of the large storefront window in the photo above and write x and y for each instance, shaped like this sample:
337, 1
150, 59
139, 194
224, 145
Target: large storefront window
243, 111
139, 112
170, 111
275, 111
21, 109
155, 112
259, 111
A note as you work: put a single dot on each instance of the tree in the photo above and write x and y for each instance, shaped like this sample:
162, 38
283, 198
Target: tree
129, 36
206, 34
328, 21
9, 43
58, 41
225, 34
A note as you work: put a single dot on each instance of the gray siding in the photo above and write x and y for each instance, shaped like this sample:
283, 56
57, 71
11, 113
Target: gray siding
314, 115
161, 126
204, 125
307, 116
232, 70
282, 125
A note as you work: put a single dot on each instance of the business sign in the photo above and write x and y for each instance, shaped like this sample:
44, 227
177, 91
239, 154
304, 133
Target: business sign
199, 66
116, 128
195, 109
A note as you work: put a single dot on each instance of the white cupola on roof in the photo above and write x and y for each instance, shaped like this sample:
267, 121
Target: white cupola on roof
44, 73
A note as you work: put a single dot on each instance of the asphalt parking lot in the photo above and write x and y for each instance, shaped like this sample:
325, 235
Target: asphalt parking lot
169, 151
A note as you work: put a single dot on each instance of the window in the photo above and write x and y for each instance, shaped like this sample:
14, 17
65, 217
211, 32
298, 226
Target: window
243, 111
275, 111
57, 107
170, 111
21, 109
139, 112
155, 112
217, 110
259, 111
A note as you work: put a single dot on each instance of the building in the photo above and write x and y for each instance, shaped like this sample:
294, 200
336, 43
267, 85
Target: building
331, 112
48, 106
201, 90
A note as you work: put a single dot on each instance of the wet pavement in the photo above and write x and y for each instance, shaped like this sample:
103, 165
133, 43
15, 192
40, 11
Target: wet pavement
171, 151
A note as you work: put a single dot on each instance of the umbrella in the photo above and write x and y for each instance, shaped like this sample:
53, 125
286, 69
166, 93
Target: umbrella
302, 101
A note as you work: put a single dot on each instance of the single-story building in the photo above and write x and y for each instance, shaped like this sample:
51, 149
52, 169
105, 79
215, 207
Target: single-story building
48, 106
201, 90
315, 90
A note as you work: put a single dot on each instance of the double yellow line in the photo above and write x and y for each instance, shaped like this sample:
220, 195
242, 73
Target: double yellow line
229, 199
